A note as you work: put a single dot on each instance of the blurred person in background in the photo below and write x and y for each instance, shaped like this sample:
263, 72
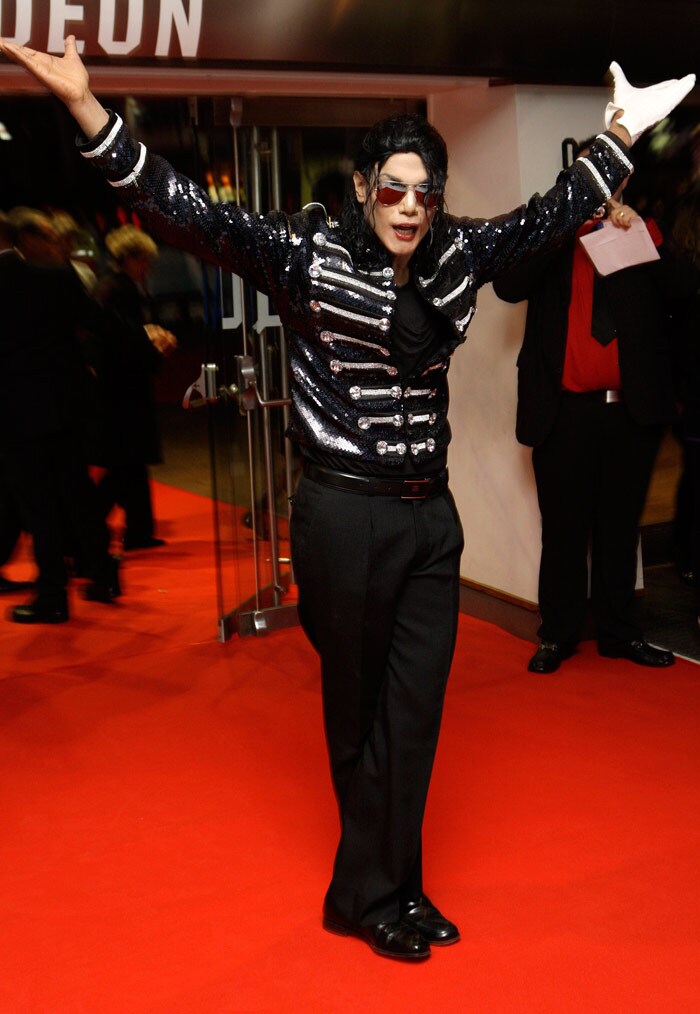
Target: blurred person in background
126, 355
12, 519
78, 248
45, 420
36, 237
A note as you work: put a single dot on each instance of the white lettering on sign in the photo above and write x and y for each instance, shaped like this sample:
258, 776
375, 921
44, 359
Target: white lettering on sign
265, 318
23, 24
188, 28
236, 318
44, 25
134, 28
60, 13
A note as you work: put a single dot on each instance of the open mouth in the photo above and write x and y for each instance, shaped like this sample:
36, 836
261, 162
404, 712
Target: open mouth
405, 232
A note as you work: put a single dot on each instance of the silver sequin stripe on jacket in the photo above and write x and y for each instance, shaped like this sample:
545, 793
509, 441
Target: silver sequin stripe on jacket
347, 395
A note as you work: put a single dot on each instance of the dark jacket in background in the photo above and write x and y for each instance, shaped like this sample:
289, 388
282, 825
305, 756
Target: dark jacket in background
639, 299
47, 387
125, 362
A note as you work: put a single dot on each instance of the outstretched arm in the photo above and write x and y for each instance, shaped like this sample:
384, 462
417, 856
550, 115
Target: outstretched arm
66, 77
172, 206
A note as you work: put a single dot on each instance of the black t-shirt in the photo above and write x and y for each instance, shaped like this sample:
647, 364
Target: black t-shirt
417, 330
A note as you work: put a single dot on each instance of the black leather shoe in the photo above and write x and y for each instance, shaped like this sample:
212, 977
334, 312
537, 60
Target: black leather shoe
7, 586
641, 653
427, 920
95, 592
389, 939
104, 591
39, 612
549, 656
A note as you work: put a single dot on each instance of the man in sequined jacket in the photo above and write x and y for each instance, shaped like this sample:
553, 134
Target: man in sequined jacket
374, 307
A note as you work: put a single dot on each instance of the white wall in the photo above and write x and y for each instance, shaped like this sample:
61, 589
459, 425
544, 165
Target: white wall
504, 144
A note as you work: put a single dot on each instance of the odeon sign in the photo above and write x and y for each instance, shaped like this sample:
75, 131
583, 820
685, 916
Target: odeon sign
118, 27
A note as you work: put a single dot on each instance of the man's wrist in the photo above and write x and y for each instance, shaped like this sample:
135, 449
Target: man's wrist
619, 130
90, 115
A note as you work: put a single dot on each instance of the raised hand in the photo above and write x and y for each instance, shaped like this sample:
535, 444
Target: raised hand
66, 77
641, 108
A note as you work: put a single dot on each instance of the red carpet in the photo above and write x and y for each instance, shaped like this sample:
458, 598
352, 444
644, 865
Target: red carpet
167, 824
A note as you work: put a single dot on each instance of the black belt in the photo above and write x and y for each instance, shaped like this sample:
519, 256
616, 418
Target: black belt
610, 396
418, 488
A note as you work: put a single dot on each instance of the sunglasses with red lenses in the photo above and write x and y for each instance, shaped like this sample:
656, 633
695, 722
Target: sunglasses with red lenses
392, 192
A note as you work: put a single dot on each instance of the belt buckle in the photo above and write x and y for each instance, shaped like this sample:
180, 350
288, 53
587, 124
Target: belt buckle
612, 397
418, 489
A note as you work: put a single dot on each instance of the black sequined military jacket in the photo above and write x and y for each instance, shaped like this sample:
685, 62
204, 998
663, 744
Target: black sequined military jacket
348, 398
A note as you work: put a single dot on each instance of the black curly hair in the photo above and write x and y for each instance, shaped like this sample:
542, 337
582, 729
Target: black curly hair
403, 132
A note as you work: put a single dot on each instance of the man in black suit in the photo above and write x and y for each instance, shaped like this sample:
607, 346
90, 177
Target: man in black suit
594, 394
43, 430
12, 522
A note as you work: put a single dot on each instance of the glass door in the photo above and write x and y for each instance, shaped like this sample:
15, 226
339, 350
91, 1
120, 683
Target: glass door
245, 388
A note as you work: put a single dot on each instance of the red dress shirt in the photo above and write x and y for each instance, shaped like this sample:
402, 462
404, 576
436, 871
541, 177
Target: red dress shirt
588, 365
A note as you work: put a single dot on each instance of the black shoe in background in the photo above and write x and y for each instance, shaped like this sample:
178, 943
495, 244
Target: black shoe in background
40, 611
106, 590
549, 656
639, 652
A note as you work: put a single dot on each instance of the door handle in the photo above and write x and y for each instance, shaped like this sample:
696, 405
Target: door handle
204, 390
248, 392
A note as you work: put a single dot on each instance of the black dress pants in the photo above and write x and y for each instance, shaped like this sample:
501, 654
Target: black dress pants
62, 510
592, 474
378, 585
129, 486
12, 520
